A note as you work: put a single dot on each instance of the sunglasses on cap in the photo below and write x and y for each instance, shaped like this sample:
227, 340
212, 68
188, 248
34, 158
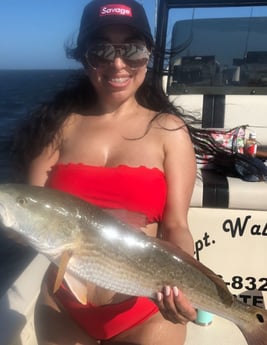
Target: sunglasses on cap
134, 55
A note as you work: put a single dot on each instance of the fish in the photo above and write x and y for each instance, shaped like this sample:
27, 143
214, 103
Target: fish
92, 245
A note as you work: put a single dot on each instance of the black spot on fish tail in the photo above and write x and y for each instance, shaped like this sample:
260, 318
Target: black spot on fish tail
260, 317
256, 331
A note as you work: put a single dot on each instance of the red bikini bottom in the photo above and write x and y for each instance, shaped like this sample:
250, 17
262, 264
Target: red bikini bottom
106, 321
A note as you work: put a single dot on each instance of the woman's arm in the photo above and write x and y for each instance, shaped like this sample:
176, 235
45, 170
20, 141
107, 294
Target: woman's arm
41, 165
180, 172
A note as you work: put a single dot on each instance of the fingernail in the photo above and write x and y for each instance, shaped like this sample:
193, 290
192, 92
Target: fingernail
175, 291
167, 290
159, 296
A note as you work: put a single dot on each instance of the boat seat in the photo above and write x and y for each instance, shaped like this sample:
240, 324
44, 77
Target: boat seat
219, 191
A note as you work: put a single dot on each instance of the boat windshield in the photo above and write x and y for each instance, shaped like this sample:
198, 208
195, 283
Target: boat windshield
216, 50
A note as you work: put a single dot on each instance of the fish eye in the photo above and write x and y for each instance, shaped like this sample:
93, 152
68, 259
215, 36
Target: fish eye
21, 201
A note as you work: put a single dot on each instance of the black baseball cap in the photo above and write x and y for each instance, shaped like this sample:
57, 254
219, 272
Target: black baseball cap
99, 13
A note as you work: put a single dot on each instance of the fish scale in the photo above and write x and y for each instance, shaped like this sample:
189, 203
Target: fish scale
104, 268
116, 256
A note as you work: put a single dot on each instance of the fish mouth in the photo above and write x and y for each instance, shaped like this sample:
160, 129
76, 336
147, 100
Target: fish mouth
2, 213
4, 218
6, 224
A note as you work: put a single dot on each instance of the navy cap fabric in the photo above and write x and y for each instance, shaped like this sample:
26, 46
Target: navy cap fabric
99, 13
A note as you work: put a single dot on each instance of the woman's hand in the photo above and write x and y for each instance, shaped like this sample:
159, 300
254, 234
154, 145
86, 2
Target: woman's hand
174, 306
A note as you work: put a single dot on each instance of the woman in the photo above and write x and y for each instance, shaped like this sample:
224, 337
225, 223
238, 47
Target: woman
116, 141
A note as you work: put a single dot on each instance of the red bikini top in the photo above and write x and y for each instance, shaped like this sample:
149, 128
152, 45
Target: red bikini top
137, 189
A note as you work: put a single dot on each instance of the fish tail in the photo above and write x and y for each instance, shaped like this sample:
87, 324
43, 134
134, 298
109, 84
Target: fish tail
256, 334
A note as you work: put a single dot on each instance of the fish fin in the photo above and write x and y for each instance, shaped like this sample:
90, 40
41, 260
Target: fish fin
255, 331
134, 219
77, 287
222, 289
64, 260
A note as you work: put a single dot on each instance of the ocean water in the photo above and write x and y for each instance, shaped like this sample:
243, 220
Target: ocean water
20, 90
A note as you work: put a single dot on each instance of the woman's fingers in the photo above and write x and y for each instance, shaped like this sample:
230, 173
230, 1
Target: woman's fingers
174, 306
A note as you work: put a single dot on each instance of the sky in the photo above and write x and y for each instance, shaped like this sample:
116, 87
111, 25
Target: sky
33, 32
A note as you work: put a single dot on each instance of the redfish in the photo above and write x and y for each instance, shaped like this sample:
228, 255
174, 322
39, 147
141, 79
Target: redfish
106, 251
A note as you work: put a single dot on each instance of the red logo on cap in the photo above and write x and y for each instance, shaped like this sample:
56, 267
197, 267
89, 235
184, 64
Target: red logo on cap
116, 10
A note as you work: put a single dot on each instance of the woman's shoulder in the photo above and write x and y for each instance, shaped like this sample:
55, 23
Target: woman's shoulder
169, 121
71, 123
171, 125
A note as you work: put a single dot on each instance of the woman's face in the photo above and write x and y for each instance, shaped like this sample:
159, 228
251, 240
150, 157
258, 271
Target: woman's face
119, 69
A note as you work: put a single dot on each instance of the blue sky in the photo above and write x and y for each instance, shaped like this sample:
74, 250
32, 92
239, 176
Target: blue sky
33, 32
